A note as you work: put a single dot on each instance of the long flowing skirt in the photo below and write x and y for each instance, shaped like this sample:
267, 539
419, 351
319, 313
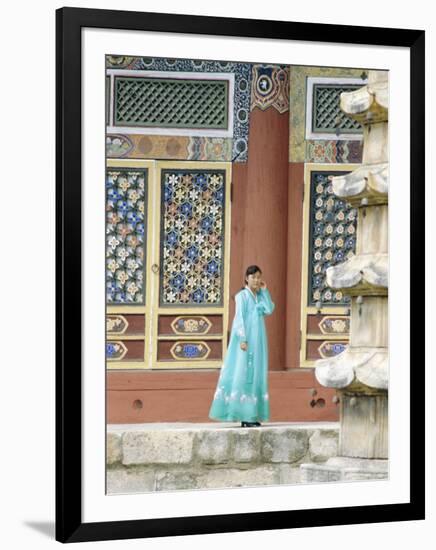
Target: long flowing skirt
242, 389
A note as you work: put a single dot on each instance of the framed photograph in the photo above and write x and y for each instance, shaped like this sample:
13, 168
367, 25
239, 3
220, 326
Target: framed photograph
240, 246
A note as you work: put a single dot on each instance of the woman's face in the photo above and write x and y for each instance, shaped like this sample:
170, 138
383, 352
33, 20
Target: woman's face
254, 280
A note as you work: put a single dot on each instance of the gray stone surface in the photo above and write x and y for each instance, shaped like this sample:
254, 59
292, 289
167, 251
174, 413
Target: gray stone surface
113, 448
323, 445
126, 480
246, 446
213, 446
158, 447
234, 477
311, 473
144, 458
284, 445
289, 474
176, 480
345, 469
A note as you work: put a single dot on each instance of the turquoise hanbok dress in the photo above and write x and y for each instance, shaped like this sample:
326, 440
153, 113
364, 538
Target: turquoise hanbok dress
242, 390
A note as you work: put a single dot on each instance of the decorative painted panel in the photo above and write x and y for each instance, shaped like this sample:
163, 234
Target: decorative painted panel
169, 147
332, 238
118, 145
126, 324
190, 350
189, 324
171, 103
125, 227
125, 350
270, 87
298, 151
335, 152
192, 237
330, 349
115, 351
116, 324
335, 325
241, 102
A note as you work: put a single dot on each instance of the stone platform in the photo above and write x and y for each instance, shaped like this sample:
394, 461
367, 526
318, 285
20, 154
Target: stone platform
176, 456
342, 468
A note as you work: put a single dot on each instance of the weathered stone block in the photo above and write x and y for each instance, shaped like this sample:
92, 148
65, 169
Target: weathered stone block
284, 445
113, 448
233, 477
317, 473
341, 468
323, 445
157, 447
289, 473
124, 480
213, 447
246, 446
177, 480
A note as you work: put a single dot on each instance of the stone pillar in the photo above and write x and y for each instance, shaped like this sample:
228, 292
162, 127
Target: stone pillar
360, 373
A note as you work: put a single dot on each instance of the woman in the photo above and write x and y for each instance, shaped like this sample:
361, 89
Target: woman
242, 389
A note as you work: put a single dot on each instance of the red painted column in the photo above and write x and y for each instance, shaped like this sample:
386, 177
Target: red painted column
266, 217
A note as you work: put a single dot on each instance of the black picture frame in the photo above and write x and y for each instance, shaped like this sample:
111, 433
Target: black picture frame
69, 525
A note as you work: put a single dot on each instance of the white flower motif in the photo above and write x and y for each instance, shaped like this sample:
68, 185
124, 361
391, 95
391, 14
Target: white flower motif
199, 238
171, 296
173, 179
180, 224
193, 194
113, 242
214, 209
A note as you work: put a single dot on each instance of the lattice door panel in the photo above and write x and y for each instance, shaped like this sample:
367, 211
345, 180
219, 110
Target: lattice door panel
167, 263
329, 238
194, 245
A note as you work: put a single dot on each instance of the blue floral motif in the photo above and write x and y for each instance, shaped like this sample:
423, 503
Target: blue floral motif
190, 350
110, 350
192, 237
125, 211
332, 222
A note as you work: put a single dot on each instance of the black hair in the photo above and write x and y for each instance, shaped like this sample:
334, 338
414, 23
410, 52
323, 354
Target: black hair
251, 270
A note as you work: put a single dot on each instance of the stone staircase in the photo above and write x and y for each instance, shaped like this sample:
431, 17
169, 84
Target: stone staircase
173, 456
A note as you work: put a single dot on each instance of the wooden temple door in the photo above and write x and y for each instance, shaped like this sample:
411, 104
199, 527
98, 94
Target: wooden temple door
167, 271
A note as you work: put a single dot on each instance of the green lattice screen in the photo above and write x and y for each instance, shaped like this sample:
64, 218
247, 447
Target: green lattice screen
326, 113
174, 103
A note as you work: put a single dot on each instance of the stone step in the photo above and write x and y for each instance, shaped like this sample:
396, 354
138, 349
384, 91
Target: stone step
171, 456
342, 468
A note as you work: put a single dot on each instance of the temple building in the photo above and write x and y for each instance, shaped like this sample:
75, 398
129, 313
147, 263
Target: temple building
212, 166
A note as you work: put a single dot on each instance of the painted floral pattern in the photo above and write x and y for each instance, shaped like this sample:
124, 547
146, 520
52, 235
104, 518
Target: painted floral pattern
192, 238
125, 227
332, 238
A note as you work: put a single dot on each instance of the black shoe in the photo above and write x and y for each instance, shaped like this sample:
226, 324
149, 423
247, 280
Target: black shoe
257, 423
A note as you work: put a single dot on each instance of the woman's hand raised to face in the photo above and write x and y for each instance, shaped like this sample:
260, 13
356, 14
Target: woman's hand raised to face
244, 346
263, 284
